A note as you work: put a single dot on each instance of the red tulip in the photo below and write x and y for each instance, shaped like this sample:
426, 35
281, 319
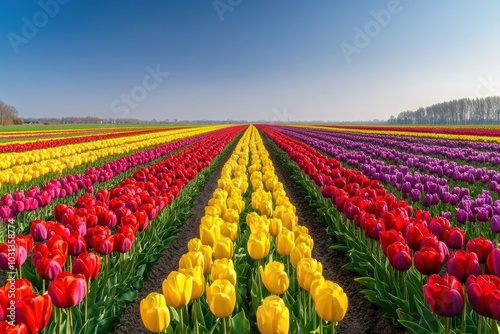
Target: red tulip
454, 238
38, 230
25, 241
7, 251
423, 215
103, 244
107, 218
481, 246
57, 242
493, 262
67, 290
123, 242
484, 295
50, 266
462, 264
142, 220
373, 227
399, 256
87, 264
7, 328
414, 235
12, 292
444, 295
428, 261
34, 311
76, 245
389, 237
438, 225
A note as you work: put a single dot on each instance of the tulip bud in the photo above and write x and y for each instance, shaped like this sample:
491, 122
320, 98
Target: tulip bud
273, 316
87, 264
196, 273
444, 295
221, 298
34, 311
177, 289
223, 248
223, 269
258, 245
191, 260
307, 271
299, 252
67, 290
275, 278
285, 242
330, 302
154, 313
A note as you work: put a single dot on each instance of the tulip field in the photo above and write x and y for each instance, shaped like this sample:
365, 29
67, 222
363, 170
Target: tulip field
250, 229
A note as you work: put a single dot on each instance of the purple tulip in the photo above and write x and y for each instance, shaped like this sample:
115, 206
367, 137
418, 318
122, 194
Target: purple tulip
427, 200
495, 223
482, 214
461, 216
415, 194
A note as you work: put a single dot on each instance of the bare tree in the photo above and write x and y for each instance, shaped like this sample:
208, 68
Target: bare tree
8, 114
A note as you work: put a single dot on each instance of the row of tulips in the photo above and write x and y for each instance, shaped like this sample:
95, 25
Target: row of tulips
107, 222
38, 196
33, 140
460, 130
457, 143
475, 152
412, 185
18, 167
218, 231
435, 135
219, 240
384, 218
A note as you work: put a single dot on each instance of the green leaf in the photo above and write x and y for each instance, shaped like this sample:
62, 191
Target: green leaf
240, 324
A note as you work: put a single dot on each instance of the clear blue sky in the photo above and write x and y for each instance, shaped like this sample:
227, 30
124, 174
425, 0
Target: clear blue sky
265, 60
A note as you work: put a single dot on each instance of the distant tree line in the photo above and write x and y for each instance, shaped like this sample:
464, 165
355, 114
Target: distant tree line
9, 115
464, 111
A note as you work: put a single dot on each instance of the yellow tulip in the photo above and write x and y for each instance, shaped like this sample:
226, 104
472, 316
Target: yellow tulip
289, 220
258, 245
285, 242
223, 248
300, 230
299, 252
275, 278
221, 298
191, 260
231, 216
194, 245
209, 234
177, 289
236, 203
207, 258
273, 316
212, 211
154, 313
314, 286
330, 302
307, 271
275, 226
307, 239
223, 269
196, 274
229, 230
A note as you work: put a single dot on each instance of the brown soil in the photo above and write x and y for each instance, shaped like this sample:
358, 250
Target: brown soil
362, 316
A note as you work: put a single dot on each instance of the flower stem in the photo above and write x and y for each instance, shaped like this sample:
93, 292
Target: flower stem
181, 319
224, 324
479, 324
195, 317
334, 325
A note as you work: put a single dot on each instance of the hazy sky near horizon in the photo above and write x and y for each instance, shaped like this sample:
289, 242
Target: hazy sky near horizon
242, 59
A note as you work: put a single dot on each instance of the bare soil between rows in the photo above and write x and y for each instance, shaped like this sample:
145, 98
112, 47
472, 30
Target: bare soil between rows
362, 316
